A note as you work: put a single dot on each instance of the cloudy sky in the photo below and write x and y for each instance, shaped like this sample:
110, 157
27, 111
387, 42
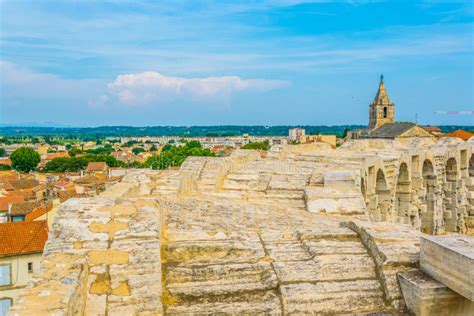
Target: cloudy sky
282, 62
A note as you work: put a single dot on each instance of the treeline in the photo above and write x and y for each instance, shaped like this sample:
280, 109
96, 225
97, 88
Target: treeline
95, 133
175, 155
265, 145
170, 156
75, 164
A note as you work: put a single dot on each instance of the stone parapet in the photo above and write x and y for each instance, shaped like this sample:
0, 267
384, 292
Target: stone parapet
395, 249
425, 296
102, 258
450, 260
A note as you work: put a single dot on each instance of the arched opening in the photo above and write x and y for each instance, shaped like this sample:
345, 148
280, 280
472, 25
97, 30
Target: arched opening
383, 196
451, 170
450, 199
402, 196
471, 166
428, 200
385, 112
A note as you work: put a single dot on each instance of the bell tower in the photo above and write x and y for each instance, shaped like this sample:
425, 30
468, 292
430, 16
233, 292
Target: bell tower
381, 111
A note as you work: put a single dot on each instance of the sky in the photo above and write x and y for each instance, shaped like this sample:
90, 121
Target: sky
217, 62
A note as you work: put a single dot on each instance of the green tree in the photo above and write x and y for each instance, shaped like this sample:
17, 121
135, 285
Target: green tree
344, 134
74, 151
265, 145
135, 164
193, 144
107, 149
153, 148
74, 164
167, 147
138, 150
2, 152
175, 156
25, 159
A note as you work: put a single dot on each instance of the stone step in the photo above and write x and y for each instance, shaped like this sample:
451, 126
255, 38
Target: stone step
323, 247
216, 272
206, 290
261, 303
287, 250
216, 251
347, 297
327, 268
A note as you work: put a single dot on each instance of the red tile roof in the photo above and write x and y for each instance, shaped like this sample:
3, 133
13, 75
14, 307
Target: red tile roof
24, 208
96, 166
459, 134
22, 237
21, 184
39, 211
6, 162
10, 199
51, 156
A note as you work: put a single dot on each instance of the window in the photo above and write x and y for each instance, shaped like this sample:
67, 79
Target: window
18, 218
385, 111
30, 267
5, 278
5, 303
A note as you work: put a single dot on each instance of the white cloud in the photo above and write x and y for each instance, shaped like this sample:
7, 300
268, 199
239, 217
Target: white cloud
18, 82
152, 87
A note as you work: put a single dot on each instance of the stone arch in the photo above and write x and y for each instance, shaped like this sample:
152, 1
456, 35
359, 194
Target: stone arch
382, 193
402, 195
428, 199
450, 191
451, 170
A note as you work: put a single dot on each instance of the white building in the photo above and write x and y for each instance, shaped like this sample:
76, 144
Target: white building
295, 133
20, 257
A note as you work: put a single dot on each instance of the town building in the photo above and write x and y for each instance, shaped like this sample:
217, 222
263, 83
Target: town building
97, 168
381, 110
21, 248
295, 134
464, 135
382, 124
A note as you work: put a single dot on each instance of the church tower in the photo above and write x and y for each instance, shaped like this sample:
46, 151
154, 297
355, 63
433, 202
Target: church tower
381, 111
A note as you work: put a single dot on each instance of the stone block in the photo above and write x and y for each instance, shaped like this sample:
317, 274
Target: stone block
425, 296
330, 200
339, 179
450, 260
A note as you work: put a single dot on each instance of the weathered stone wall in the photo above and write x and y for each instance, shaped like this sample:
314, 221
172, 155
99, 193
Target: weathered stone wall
424, 186
102, 257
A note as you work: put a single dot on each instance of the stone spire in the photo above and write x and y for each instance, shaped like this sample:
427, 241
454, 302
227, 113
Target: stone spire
382, 109
381, 97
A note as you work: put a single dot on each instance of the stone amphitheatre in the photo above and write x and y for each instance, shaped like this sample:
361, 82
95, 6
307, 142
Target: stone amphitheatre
301, 229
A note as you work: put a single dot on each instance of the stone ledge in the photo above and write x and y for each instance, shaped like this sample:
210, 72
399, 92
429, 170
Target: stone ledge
395, 248
425, 296
450, 260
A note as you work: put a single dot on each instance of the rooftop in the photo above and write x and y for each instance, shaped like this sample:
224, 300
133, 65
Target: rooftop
22, 237
96, 166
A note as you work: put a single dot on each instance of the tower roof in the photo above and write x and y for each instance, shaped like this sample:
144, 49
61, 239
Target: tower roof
381, 97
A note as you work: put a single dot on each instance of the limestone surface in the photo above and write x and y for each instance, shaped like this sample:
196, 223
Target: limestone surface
300, 230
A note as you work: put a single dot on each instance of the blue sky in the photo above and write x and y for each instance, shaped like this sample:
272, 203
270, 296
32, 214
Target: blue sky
284, 62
